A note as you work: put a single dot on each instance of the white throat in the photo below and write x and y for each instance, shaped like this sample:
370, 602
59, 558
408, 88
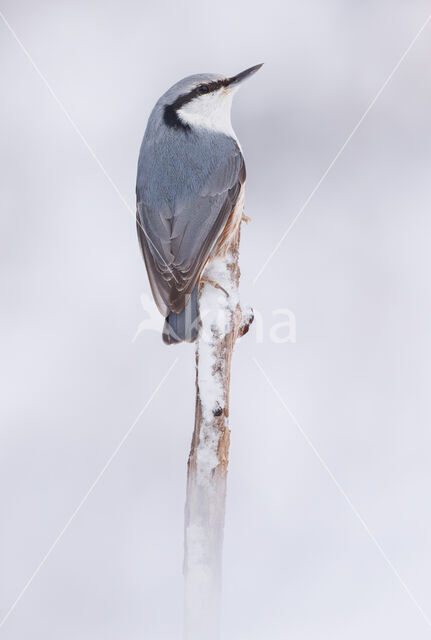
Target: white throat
210, 111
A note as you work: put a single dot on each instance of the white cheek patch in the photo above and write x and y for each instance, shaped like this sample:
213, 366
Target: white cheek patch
210, 111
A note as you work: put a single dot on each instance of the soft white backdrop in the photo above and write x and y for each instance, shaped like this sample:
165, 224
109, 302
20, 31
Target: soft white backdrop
354, 270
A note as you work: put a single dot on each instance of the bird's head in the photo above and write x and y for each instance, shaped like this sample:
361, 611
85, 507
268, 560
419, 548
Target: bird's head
203, 101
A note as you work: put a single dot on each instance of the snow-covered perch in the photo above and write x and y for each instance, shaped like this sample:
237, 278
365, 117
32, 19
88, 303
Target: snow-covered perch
222, 323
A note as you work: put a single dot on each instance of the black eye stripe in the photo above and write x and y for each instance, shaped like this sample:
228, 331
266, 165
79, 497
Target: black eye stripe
170, 114
209, 88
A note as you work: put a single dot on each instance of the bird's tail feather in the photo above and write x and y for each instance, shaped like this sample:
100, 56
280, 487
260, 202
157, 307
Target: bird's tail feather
183, 326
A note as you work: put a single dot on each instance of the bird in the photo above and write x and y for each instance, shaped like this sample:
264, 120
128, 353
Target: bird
189, 193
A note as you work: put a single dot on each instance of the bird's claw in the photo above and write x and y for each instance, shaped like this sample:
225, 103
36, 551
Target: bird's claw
214, 284
246, 321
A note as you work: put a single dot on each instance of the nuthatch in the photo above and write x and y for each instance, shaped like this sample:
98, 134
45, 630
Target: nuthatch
190, 191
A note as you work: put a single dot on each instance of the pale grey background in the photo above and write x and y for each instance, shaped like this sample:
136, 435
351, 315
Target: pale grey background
354, 270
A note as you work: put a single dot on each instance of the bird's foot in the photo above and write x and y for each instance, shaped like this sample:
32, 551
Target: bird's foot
245, 219
247, 319
214, 284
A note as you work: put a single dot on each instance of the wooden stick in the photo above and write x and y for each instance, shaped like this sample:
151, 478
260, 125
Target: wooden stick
222, 323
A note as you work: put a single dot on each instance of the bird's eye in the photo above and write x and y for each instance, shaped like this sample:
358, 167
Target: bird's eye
203, 89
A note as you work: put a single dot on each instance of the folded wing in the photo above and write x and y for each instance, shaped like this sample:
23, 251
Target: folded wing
176, 241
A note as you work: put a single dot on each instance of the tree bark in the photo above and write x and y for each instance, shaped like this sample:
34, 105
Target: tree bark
222, 323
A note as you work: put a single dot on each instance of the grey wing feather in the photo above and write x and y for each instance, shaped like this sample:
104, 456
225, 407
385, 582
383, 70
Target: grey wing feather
176, 243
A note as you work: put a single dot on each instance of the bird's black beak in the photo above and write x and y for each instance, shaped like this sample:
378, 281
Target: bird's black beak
240, 77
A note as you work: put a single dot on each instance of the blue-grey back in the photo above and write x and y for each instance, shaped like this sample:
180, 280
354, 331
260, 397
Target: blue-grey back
174, 165
187, 184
